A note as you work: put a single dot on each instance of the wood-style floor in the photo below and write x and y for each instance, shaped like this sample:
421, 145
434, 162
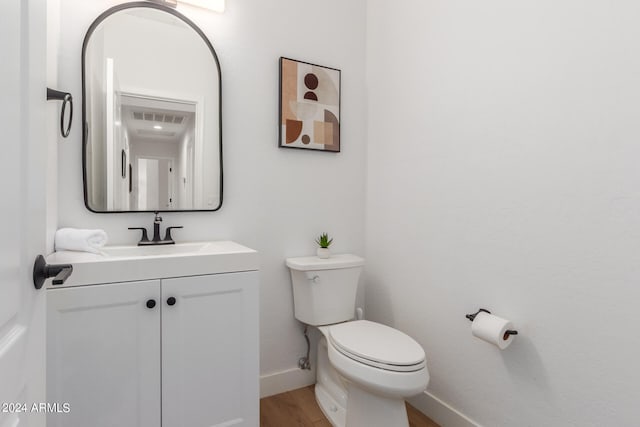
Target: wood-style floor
298, 408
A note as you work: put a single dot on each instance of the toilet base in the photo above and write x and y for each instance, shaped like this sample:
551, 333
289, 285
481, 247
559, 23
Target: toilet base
331, 409
371, 410
331, 394
334, 395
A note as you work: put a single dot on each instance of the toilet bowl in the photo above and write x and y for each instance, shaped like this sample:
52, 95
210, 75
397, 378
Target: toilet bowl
365, 369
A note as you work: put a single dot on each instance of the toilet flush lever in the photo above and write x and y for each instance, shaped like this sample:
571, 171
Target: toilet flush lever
314, 279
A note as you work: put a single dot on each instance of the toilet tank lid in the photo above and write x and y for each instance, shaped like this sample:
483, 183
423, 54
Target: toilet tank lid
310, 263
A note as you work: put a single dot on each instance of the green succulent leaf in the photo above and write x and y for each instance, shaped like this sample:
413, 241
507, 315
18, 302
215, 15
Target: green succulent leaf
323, 240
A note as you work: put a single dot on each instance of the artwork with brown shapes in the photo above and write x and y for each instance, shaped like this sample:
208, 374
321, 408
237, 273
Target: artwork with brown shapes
309, 106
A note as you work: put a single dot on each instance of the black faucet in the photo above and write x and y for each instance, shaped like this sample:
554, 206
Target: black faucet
144, 241
156, 228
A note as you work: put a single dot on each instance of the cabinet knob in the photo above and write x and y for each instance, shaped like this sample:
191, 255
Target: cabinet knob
171, 301
151, 303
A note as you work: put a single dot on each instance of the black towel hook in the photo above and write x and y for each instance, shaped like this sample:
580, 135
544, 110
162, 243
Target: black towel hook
65, 97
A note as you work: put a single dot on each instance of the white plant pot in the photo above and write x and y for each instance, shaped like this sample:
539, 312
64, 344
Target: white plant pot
323, 253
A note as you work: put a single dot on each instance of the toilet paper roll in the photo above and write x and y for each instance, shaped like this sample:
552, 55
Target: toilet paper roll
492, 329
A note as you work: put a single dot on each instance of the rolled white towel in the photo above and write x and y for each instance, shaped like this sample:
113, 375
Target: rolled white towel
75, 239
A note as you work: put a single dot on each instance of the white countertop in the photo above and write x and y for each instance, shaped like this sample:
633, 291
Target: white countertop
131, 263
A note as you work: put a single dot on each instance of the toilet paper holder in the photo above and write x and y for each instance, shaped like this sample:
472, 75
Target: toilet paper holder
471, 317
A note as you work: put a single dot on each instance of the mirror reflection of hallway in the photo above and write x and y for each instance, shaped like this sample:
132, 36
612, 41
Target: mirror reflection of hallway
162, 140
154, 182
151, 91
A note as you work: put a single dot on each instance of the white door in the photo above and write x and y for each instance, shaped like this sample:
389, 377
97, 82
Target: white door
103, 355
23, 209
210, 360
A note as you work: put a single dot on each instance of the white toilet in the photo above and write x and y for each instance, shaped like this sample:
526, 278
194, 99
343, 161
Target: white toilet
365, 369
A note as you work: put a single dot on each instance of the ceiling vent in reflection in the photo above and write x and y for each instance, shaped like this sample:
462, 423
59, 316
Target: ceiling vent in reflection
145, 132
158, 117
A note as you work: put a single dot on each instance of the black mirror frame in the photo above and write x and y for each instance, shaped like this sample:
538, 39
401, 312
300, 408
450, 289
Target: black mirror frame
85, 124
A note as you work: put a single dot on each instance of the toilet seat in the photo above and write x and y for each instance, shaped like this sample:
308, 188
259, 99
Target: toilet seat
377, 345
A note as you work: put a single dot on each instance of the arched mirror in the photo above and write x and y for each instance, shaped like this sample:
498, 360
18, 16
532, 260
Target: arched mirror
152, 113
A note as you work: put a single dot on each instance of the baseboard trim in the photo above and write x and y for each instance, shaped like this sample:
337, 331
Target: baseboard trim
441, 412
291, 379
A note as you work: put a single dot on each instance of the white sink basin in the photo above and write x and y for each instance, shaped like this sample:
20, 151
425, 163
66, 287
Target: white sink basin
133, 263
160, 250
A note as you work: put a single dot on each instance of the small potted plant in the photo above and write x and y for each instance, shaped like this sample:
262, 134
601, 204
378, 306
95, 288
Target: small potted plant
324, 242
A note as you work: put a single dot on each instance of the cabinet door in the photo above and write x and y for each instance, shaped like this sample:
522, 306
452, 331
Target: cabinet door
210, 360
103, 351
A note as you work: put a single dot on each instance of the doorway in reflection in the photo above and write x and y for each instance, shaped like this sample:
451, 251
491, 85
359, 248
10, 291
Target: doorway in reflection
160, 139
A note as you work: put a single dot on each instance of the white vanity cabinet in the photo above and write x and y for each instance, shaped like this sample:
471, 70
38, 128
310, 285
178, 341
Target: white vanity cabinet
103, 355
210, 363
170, 352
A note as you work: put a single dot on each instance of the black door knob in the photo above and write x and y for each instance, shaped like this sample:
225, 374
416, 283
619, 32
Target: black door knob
151, 303
171, 301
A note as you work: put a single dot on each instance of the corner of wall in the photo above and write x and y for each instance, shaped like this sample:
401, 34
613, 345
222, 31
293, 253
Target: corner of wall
53, 49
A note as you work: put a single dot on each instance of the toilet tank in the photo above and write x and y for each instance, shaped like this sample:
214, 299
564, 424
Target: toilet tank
324, 290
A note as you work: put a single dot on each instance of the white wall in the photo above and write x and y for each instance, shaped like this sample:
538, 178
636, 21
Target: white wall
503, 147
53, 120
275, 200
502, 173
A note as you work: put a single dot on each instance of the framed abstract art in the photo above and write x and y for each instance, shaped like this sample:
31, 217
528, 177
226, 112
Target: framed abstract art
309, 106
